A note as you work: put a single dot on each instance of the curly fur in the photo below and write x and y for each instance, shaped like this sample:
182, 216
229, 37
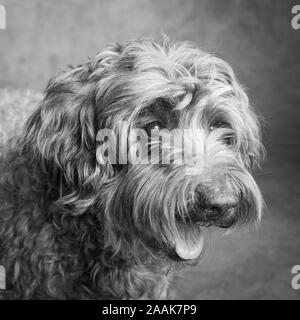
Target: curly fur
74, 228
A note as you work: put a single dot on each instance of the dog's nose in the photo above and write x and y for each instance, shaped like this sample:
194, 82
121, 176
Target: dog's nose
214, 208
215, 211
218, 213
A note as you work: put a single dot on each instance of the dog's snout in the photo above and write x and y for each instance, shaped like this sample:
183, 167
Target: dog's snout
215, 203
215, 211
219, 210
222, 215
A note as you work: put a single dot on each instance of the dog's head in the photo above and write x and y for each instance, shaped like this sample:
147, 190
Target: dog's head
157, 139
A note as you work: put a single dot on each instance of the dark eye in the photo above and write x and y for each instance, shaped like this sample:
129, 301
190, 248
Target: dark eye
229, 138
155, 125
218, 124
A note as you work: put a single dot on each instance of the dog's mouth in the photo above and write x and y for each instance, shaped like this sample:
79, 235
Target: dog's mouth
190, 241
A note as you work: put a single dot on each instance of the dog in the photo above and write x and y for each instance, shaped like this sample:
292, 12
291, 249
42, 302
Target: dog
80, 221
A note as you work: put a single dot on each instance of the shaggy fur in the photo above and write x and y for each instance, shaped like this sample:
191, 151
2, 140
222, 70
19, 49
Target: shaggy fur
72, 227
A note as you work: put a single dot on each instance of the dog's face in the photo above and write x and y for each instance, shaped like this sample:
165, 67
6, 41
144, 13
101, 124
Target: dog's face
193, 120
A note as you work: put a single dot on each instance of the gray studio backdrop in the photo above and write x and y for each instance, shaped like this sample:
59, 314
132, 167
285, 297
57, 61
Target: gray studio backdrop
257, 38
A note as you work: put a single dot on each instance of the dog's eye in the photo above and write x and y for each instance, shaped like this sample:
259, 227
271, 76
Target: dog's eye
155, 125
229, 138
218, 124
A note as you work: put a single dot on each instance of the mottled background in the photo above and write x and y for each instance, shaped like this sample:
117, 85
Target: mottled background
254, 36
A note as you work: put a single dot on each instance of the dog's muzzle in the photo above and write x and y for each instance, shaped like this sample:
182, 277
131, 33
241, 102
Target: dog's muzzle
206, 210
213, 214
212, 207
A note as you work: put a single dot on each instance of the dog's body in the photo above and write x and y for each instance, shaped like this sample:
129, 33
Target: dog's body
73, 226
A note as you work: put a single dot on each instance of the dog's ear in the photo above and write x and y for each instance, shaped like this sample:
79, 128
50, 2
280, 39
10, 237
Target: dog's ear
62, 129
62, 133
62, 136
